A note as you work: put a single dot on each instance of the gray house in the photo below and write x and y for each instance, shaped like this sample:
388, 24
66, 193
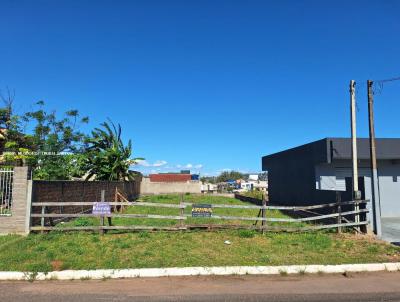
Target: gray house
313, 173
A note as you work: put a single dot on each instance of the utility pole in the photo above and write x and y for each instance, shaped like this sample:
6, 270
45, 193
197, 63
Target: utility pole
356, 193
376, 204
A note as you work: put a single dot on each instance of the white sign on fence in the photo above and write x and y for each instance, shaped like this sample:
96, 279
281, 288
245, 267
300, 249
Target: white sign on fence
101, 208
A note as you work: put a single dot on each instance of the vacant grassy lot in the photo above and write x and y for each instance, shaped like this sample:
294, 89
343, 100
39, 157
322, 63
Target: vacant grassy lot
137, 250
190, 198
80, 250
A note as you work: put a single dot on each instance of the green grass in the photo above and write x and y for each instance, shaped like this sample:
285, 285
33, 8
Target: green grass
254, 194
80, 250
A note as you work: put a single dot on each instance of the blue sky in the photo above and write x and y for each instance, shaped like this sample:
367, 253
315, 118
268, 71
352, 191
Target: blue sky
209, 85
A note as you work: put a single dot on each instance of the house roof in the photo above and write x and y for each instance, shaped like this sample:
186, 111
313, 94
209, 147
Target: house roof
386, 148
335, 148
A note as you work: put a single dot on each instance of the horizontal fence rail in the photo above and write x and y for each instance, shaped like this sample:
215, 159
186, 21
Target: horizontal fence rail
337, 219
185, 204
184, 217
197, 226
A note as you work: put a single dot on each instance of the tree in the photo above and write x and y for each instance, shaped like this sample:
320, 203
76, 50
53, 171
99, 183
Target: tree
12, 140
263, 176
229, 175
107, 158
55, 147
208, 179
50, 145
56, 142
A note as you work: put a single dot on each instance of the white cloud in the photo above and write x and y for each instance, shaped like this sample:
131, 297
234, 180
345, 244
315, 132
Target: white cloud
190, 166
143, 163
157, 163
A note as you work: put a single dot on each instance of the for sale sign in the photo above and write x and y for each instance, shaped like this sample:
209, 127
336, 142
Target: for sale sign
201, 210
101, 208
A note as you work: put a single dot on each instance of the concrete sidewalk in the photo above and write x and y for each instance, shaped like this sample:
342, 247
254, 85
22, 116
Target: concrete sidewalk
382, 286
391, 229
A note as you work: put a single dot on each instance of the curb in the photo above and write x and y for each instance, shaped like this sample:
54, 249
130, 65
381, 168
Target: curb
198, 271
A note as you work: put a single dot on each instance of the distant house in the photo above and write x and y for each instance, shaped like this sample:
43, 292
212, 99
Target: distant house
246, 185
261, 185
170, 177
253, 177
183, 176
313, 173
208, 188
166, 183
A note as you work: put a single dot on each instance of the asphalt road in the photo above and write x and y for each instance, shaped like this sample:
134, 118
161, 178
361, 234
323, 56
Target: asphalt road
355, 287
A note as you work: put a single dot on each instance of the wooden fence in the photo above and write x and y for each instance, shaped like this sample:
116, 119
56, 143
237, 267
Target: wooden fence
339, 219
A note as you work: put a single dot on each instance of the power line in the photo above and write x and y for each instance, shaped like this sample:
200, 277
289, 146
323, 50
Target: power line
378, 84
388, 80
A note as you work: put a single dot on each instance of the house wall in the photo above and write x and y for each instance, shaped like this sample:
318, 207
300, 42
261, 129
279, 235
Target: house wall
150, 187
317, 172
331, 177
291, 175
389, 189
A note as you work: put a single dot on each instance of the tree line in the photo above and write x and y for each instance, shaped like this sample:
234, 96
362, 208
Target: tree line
57, 148
231, 175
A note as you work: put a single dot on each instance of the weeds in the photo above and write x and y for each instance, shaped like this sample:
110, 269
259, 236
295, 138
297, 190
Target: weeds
247, 233
31, 276
302, 271
144, 234
283, 273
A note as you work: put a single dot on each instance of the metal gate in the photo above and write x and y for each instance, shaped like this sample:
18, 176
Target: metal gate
6, 182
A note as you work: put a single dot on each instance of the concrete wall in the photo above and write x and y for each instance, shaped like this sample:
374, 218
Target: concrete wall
148, 187
18, 223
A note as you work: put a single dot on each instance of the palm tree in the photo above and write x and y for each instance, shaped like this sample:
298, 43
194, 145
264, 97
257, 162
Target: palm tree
107, 158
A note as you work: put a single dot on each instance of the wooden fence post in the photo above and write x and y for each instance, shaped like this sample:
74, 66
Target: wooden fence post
116, 199
182, 211
339, 211
42, 218
103, 192
263, 222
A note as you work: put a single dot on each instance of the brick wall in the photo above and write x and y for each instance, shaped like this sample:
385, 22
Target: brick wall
78, 191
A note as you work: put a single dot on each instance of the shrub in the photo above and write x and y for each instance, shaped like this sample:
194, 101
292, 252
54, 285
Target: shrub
247, 233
